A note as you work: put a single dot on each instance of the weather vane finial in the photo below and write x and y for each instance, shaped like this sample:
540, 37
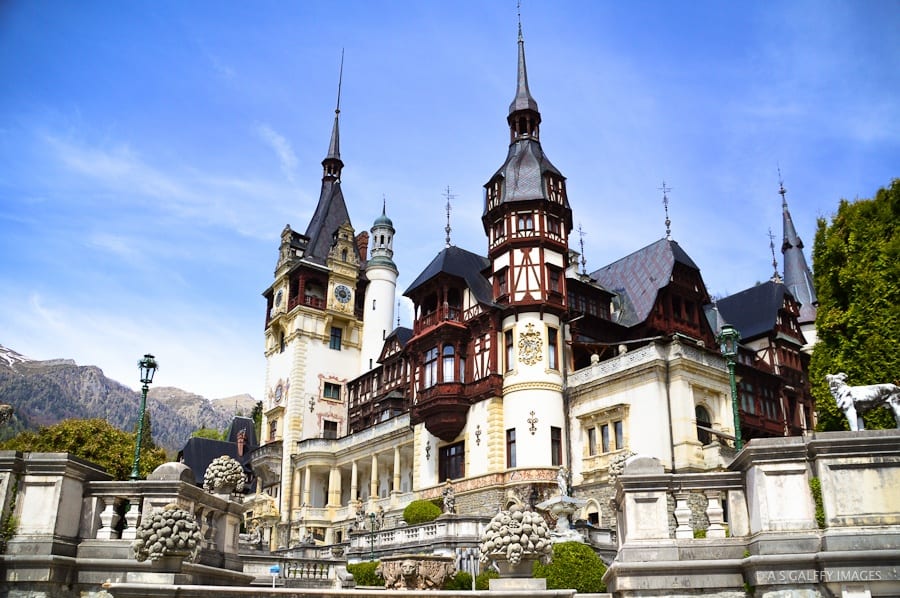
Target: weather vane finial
775, 276
337, 109
781, 190
447, 228
581, 235
519, 15
665, 191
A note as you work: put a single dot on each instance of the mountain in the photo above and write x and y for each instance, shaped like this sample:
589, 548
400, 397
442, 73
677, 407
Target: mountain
43, 393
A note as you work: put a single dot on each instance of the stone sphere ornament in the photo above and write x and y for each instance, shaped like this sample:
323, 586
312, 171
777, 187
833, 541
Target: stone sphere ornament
224, 476
167, 532
515, 536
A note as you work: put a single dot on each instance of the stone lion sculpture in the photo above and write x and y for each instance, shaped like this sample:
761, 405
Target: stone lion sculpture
856, 400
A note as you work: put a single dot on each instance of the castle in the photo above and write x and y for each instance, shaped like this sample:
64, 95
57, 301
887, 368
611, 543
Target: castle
518, 362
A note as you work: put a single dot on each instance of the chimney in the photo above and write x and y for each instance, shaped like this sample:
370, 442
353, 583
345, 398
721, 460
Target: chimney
362, 245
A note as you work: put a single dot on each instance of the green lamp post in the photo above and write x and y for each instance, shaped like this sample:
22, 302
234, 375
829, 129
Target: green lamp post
372, 525
728, 343
148, 367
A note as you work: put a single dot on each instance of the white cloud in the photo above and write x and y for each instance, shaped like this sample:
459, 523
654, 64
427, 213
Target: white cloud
282, 147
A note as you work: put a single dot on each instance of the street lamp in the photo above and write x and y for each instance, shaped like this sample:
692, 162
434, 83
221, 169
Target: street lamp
372, 535
728, 344
148, 367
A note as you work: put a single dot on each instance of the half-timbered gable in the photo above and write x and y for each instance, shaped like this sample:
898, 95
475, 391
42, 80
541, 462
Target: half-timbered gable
775, 398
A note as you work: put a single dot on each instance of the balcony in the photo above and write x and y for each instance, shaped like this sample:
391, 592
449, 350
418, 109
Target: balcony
443, 408
266, 461
444, 313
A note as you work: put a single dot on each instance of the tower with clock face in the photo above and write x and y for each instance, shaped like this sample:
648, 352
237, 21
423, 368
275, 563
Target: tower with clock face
313, 334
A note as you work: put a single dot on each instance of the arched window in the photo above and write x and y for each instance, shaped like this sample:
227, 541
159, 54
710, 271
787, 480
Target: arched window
447, 374
703, 421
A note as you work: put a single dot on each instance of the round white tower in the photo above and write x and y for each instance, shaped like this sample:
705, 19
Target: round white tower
382, 273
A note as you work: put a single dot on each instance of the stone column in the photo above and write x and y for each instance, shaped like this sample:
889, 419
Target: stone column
396, 469
334, 487
295, 490
307, 482
373, 482
354, 481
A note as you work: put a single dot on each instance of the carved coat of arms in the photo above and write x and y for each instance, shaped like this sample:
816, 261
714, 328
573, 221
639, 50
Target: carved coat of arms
530, 345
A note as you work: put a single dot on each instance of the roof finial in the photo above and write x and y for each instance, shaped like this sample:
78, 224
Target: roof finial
519, 15
332, 161
581, 234
337, 109
398, 313
665, 191
447, 228
781, 189
775, 276
383, 205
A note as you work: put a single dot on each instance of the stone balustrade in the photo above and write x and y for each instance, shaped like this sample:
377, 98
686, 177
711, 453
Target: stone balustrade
75, 524
818, 514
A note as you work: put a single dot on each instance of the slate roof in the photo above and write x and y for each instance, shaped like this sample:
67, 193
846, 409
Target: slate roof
461, 264
753, 311
797, 276
331, 212
638, 277
523, 172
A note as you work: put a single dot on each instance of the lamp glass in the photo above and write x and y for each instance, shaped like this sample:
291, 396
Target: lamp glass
148, 367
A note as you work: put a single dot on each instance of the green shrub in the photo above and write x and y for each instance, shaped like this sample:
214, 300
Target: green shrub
574, 566
421, 511
460, 581
364, 574
481, 580
815, 487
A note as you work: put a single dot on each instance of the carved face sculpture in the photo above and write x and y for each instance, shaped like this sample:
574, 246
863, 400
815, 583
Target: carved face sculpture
408, 568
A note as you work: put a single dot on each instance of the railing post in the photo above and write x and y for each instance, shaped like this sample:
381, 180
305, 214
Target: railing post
715, 514
683, 527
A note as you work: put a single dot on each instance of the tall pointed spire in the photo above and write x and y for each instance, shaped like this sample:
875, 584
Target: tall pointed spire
332, 163
523, 99
797, 277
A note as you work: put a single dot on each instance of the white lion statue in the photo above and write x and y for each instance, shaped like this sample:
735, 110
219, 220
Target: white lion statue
856, 400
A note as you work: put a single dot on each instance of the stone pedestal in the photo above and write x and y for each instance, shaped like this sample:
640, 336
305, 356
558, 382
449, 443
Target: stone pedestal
516, 576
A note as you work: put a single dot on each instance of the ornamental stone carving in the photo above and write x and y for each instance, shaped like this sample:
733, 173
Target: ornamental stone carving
854, 401
224, 476
530, 345
515, 535
167, 532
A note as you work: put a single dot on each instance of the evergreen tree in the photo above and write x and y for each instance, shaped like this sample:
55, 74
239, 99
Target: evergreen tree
856, 258
257, 419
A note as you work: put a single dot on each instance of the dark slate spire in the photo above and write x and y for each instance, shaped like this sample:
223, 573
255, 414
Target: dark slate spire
523, 174
331, 211
523, 99
332, 163
797, 277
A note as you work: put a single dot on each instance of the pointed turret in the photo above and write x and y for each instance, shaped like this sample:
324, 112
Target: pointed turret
523, 100
332, 163
331, 210
797, 277
379, 302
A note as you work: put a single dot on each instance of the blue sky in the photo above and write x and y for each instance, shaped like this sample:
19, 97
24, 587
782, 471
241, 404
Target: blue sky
152, 152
